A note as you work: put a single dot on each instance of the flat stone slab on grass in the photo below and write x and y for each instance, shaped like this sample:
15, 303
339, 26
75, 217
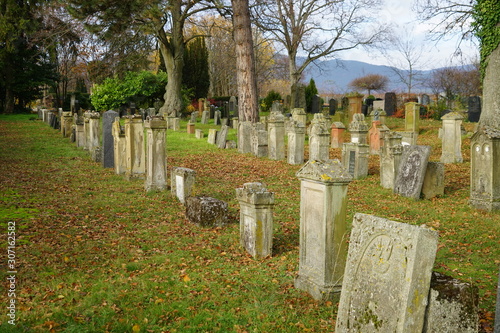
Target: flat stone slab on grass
412, 169
206, 211
387, 276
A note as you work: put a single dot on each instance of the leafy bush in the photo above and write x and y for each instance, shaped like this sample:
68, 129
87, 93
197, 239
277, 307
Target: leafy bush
267, 102
142, 88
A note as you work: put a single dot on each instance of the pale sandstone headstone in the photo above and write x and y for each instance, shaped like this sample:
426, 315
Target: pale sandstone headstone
323, 235
390, 158
259, 140
411, 173
222, 137
387, 276
355, 103
296, 142
412, 117
212, 136
190, 128
66, 124
198, 133
95, 136
256, 219
134, 145
205, 115
299, 115
245, 137
156, 156
433, 185
355, 159
182, 182
452, 138
206, 211
217, 117
120, 155
358, 129
319, 139
276, 133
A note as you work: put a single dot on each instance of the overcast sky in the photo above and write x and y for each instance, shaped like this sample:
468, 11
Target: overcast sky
399, 14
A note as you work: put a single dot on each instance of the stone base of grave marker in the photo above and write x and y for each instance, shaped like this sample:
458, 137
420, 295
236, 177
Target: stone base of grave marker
206, 211
387, 276
453, 306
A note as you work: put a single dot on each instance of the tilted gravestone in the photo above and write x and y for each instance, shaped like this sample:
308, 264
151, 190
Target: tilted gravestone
222, 137
387, 276
411, 173
108, 155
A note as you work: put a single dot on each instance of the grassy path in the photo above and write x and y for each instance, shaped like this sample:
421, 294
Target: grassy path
95, 253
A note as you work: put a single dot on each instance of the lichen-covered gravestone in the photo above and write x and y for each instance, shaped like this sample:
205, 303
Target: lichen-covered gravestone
387, 276
206, 211
411, 173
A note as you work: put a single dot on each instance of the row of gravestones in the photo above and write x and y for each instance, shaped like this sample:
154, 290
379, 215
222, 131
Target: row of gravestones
386, 284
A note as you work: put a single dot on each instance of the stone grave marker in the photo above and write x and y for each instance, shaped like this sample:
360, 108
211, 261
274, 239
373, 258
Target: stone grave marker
412, 117
337, 134
452, 138
276, 132
319, 139
474, 109
156, 156
425, 100
204, 117
391, 104
411, 173
190, 128
134, 142
323, 228
222, 137
244, 137
259, 140
332, 106
119, 149
296, 142
453, 306
315, 104
299, 115
198, 133
217, 117
206, 211
387, 276
194, 116
256, 219
108, 145
390, 158
182, 183
433, 185
212, 136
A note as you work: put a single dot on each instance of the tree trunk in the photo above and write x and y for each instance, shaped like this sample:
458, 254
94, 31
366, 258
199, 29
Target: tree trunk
245, 64
8, 106
490, 115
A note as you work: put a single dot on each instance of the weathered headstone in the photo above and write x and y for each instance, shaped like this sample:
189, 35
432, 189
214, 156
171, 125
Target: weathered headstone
433, 185
156, 156
259, 140
378, 104
134, 142
319, 139
204, 117
474, 109
212, 136
119, 149
245, 137
206, 211
412, 117
198, 133
390, 105
108, 145
222, 137
425, 99
387, 276
182, 183
453, 306
194, 116
337, 134
190, 128
390, 158
256, 219
355, 103
66, 124
359, 129
315, 104
232, 106
485, 178
276, 132
296, 142
452, 138
217, 118
411, 173
332, 106
355, 159
299, 115
95, 135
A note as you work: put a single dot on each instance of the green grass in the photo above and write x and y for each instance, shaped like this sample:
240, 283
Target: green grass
95, 253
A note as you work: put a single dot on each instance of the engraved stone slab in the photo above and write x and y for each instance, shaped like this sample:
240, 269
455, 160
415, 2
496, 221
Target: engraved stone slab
411, 171
387, 276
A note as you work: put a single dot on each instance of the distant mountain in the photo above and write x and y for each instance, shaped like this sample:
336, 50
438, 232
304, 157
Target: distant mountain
334, 76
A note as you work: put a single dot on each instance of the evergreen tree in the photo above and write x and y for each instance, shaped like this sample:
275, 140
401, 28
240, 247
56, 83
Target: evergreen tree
196, 75
311, 90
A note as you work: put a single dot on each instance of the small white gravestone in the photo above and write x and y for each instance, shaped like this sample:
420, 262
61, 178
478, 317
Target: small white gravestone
182, 183
387, 276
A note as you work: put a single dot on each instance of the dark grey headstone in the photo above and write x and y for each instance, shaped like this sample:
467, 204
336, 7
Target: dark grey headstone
332, 106
108, 151
364, 109
369, 101
206, 211
411, 171
315, 104
390, 103
474, 111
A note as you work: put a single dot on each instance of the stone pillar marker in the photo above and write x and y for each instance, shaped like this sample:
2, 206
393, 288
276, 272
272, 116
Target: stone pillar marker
120, 154
390, 157
296, 142
387, 276
337, 134
412, 117
156, 159
452, 138
134, 142
323, 243
319, 139
66, 123
259, 140
108, 145
276, 132
95, 135
299, 115
256, 219
355, 103
244, 137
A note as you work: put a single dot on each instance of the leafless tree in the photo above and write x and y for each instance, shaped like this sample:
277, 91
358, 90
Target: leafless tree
317, 29
370, 82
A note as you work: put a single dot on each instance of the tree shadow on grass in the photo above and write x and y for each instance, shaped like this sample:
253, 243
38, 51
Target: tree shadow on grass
285, 242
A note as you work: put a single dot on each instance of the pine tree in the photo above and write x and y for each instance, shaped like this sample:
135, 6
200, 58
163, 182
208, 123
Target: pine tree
196, 75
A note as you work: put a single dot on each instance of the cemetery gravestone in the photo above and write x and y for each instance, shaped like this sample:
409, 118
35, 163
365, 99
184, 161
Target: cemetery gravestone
212, 136
182, 183
256, 219
296, 142
319, 139
390, 158
411, 171
323, 205
199, 133
94, 135
390, 105
108, 145
425, 100
134, 141
315, 104
156, 159
433, 184
452, 138
332, 106
299, 115
259, 140
276, 141
206, 211
387, 276
474, 109
190, 128
244, 137
412, 117
355, 104
337, 135
222, 136
119, 149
